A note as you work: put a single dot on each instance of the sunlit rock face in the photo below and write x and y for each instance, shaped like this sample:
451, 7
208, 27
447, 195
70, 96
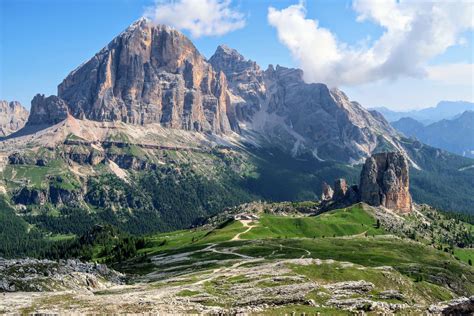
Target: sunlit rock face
149, 74
13, 117
154, 74
384, 182
246, 82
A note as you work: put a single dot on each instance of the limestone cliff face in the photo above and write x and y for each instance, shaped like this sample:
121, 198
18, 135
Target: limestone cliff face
149, 74
246, 83
385, 181
327, 193
154, 74
299, 117
13, 117
47, 110
324, 121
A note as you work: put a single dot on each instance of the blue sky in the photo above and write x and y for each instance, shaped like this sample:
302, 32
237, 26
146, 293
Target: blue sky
43, 40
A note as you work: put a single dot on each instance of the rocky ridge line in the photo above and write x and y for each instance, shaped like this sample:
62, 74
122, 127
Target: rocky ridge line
154, 74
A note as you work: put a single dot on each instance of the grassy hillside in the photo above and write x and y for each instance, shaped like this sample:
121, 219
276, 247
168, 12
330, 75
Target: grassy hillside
346, 222
276, 264
348, 234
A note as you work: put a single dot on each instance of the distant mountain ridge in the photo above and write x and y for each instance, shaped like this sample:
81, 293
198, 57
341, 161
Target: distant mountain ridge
443, 110
13, 117
455, 135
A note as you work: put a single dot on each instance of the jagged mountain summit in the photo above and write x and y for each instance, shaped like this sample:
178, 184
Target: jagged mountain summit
13, 117
149, 74
154, 74
297, 116
247, 89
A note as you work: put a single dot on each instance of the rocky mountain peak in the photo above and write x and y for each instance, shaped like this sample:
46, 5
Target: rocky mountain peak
311, 118
284, 74
246, 82
153, 74
230, 61
149, 74
13, 117
224, 50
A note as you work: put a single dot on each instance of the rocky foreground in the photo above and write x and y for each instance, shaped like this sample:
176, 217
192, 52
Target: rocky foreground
34, 275
251, 286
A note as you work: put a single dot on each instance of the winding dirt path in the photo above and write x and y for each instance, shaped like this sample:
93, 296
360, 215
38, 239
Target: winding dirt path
246, 224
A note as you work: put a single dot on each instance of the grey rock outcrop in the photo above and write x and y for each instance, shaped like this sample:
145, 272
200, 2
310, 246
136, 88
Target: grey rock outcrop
246, 82
47, 110
458, 306
149, 74
27, 196
310, 117
343, 195
384, 181
340, 189
55, 193
33, 275
18, 158
13, 117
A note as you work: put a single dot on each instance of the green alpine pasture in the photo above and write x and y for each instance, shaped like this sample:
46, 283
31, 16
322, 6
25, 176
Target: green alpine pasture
345, 222
347, 235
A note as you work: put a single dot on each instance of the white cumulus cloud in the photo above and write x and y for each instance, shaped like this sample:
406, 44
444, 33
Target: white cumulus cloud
414, 33
199, 17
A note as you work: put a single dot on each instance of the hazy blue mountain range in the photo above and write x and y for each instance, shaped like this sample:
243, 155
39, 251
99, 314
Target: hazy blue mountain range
443, 110
455, 135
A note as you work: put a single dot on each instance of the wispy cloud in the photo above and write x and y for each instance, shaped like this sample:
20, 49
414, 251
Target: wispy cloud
452, 74
415, 32
199, 17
